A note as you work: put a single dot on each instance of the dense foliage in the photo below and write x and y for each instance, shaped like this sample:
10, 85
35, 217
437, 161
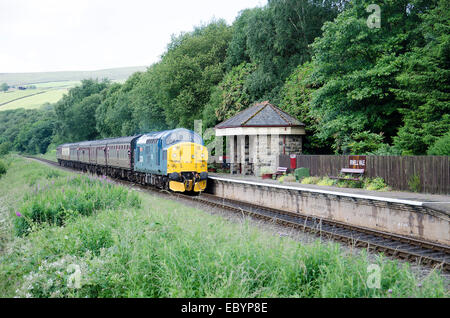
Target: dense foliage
358, 89
29, 131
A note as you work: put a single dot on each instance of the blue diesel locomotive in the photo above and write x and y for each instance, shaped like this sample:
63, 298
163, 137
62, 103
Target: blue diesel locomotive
172, 159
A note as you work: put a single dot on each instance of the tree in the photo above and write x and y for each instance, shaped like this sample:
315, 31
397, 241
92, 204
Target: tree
295, 99
276, 39
35, 136
5, 148
424, 87
4, 87
28, 131
356, 67
441, 147
148, 110
81, 118
230, 96
189, 70
76, 111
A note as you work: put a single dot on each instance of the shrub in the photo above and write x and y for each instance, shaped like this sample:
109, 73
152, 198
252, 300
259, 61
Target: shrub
441, 147
386, 150
374, 184
414, 183
325, 181
5, 148
348, 184
310, 180
3, 168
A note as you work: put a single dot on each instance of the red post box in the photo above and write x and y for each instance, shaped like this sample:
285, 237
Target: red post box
293, 161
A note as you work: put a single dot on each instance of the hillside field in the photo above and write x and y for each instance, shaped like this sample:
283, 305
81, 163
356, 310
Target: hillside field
48, 92
67, 76
30, 99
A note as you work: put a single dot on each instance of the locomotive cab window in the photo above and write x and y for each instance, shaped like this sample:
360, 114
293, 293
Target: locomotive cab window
183, 136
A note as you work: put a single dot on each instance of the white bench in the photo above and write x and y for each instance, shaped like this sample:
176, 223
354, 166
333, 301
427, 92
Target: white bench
280, 171
352, 172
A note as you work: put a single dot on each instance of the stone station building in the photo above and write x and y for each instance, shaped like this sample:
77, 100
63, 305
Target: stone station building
256, 137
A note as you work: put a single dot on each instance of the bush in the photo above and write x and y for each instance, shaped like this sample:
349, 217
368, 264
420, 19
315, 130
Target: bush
441, 147
325, 181
386, 150
5, 148
375, 184
310, 180
3, 168
414, 183
349, 184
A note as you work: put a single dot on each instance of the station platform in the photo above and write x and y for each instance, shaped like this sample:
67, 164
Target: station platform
440, 203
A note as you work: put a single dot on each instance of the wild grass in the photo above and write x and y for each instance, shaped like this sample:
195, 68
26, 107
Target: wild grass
414, 183
20, 179
164, 249
57, 200
49, 155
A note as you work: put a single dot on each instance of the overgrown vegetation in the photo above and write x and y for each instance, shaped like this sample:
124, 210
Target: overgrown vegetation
163, 249
414, 183
55, 201
3, 168
377, 184
359, 90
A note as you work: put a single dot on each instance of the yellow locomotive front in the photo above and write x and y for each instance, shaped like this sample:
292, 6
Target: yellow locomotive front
187, 167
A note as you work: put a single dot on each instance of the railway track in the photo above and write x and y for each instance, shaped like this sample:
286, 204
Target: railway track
405, 248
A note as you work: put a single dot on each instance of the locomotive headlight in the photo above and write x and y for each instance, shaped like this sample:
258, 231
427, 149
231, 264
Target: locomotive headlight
203, 155
174, 156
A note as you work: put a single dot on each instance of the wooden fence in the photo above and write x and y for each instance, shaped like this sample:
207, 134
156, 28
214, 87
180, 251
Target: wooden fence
433, 171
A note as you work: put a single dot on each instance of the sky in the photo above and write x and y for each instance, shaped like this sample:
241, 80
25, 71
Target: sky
83, 35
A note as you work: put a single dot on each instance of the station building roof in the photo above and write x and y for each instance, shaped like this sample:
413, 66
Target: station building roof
261, 115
